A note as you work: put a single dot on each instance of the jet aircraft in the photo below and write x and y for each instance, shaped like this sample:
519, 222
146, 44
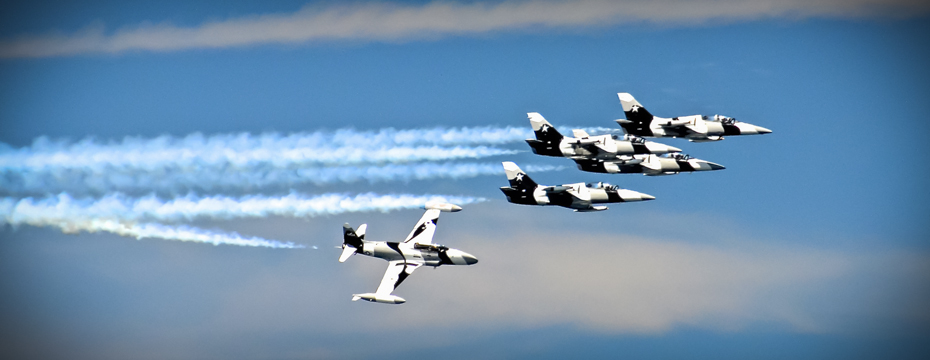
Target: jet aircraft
696, 128
550, 142
580, 196
668, 164
403, 258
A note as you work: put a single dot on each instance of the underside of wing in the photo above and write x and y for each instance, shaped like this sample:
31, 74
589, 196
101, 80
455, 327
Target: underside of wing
396, 273
423, 232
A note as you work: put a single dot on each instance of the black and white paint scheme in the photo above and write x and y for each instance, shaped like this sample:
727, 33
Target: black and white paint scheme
579, 196
550, 142
403, 258
652, 165
696, 128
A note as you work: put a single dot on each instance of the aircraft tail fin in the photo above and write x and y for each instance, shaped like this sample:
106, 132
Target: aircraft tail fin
543, 129
634, 111
517, 177
352, 240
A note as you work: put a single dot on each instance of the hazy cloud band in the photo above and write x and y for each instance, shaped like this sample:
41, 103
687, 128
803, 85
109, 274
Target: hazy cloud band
393, 22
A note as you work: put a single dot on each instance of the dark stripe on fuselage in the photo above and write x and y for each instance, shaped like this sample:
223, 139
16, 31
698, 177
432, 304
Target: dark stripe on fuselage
560, 199
685, 166
444, 258
613, 196
731, 130
640, 149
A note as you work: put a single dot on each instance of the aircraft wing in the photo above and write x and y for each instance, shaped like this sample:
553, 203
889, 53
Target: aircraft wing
396, 273
423, 232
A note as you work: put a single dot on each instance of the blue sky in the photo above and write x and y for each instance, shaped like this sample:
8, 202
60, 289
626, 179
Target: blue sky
811, 244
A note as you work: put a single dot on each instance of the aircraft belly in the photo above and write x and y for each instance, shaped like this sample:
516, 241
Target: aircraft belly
579, 204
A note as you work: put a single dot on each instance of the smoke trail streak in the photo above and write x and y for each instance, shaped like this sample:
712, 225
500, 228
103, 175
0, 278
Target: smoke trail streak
119, 214
134, 156
64, 207
180, 180
342, 147
13, 213
345, 146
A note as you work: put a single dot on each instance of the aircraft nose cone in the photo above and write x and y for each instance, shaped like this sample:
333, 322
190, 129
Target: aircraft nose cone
647, 197
673, 149
762, 130
469, 259
716, 166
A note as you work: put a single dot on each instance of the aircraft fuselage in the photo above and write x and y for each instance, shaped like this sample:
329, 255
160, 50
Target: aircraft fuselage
429, 255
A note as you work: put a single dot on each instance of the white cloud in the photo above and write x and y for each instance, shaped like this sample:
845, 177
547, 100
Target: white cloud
387, 21
531, 275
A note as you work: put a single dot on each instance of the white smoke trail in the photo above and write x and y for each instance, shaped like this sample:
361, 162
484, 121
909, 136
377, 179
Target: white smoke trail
340, 147
157, 154
176, 179
344, 146
120, 214
16, 213
120, 207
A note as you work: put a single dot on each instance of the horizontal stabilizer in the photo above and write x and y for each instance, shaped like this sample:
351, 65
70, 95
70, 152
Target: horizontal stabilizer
347, 251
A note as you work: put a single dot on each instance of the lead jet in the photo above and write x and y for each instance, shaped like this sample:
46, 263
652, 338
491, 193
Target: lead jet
550, 142
403, 258
696, 128
580, 196
668, 164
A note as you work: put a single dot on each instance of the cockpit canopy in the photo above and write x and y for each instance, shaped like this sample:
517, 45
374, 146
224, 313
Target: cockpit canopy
435, 247
679, 156
602, 185
632, 138
724, 119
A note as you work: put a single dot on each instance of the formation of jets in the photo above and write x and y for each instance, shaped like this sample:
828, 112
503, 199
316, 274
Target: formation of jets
610, 154
630, 154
